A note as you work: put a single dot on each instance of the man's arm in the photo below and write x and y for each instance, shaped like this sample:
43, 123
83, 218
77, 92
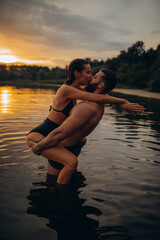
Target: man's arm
80, 115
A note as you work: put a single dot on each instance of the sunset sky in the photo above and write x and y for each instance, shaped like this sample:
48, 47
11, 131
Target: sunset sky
53, 32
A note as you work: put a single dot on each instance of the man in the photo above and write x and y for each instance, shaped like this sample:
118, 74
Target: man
83, 119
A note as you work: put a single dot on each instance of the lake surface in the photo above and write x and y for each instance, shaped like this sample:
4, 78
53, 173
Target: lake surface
116, 192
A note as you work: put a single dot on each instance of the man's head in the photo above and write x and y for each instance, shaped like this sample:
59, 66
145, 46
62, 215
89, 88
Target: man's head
105, 80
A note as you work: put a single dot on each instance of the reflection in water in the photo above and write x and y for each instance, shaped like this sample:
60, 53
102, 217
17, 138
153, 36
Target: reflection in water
68, 215
120, 162
4, 99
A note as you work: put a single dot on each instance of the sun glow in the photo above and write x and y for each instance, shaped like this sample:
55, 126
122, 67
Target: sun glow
5, 51
4, 99
7, 57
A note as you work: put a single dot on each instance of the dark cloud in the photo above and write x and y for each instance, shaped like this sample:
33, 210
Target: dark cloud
119, 45
48, 28
49, 23
45, 22
156, 31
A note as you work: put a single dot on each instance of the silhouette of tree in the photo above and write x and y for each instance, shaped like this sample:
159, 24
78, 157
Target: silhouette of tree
134, 67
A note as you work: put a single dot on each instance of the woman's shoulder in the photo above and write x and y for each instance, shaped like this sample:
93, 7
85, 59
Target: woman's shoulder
64, 92
65, 89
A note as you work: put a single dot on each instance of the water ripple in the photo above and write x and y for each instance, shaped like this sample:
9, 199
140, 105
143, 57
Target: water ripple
117, 194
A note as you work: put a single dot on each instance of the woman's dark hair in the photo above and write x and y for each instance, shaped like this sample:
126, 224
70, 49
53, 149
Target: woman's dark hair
76, 65
109, 79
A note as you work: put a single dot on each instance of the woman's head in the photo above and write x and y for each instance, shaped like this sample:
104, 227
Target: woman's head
78, 68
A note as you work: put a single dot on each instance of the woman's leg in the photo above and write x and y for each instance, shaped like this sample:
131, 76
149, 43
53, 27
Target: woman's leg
37, 137
61, 155
51, 170
34, 137
57, 154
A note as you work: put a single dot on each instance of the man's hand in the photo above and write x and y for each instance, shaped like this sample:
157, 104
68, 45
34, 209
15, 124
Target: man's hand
34, 148
132, 108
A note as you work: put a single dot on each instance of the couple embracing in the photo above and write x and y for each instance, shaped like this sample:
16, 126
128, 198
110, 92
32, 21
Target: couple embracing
63, 133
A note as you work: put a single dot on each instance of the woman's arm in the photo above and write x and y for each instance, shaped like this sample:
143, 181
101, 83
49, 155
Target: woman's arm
73, 93
132, 108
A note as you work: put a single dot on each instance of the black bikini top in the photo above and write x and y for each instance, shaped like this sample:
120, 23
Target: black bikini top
66, 110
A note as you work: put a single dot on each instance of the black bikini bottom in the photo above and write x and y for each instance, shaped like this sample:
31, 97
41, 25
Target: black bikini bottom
45, 128
75, 149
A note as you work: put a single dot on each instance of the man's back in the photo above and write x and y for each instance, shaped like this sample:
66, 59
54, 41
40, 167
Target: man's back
86, 117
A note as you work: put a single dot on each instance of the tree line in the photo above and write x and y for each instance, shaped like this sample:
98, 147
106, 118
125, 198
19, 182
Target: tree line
135, 67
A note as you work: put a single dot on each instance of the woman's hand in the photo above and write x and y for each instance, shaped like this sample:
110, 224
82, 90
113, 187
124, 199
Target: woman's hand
132, 108
34, 148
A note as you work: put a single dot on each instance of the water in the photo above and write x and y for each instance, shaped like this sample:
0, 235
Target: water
115, 194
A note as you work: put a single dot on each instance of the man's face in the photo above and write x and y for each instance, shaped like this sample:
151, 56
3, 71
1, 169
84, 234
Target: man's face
96, 79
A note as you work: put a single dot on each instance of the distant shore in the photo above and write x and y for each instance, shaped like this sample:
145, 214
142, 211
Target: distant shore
138, 92
135, 92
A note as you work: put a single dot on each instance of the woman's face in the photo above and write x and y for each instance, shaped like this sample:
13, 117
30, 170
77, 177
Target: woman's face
85, 76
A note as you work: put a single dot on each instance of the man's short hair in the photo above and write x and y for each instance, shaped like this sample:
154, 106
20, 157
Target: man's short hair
109, 79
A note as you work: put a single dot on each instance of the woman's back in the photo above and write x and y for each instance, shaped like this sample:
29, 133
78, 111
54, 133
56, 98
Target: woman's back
62, 105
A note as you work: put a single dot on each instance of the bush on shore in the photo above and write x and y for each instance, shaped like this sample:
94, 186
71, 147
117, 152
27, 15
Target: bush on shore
134, 67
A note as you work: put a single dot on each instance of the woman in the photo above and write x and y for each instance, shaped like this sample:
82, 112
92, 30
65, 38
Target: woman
79, 74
